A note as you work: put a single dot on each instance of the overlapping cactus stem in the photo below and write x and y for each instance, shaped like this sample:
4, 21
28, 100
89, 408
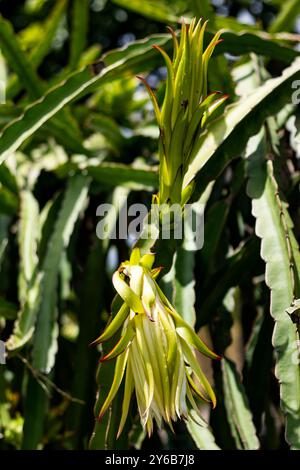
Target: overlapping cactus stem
187, 108
155, 352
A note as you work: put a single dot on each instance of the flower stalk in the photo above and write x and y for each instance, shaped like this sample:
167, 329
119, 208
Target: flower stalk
155, 355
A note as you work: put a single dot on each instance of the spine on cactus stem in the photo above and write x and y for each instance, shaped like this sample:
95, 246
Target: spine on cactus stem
155, 354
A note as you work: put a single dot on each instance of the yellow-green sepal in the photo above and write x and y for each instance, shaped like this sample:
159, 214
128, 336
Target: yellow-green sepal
191, 359
114, 325
189, 335
117, 380
122, 344
127, 294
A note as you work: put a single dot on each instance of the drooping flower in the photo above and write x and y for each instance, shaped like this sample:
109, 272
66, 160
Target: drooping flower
155, 352
186, 109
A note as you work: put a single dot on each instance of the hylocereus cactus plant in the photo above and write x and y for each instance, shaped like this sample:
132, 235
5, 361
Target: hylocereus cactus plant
155, 353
